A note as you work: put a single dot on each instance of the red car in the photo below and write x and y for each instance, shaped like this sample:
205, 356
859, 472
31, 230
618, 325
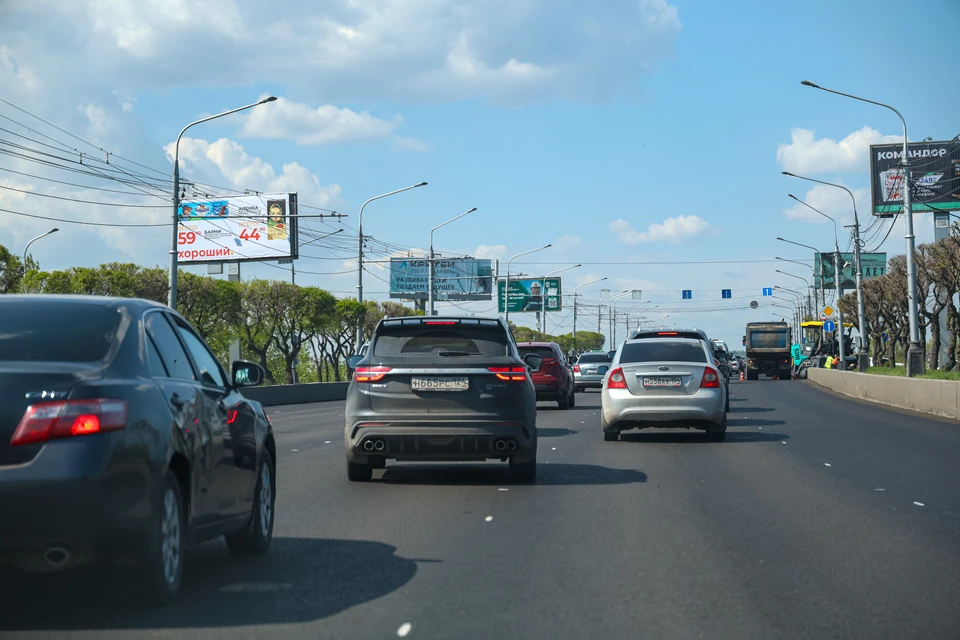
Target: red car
554, 380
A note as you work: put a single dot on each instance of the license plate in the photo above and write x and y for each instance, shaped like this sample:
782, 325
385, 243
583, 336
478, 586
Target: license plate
446, 383
662, 381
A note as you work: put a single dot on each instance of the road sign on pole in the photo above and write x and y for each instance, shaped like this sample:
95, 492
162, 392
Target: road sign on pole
726, 293
827, 312
687, 294
829, 326
768, 291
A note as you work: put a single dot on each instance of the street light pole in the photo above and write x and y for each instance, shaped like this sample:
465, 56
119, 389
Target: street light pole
823, 293
360, 251
863, 361
430, 293
804, 280
837, 275
613, 316
915, 363
506, 287
26, 248
174, 250
813, 277
543, 312
575, 294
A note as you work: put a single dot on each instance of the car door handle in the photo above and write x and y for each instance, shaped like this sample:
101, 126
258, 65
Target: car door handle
177, 401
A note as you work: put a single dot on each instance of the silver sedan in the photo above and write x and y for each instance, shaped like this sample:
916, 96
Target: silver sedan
663, 383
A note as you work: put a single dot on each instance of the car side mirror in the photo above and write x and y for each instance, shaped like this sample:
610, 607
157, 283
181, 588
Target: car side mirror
611, 355
353, 361
247, 374
533, 361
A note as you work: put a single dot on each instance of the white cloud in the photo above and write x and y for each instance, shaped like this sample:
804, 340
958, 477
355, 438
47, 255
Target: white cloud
11, 65
672, 230
833, 202
567, 242
806, 154
307, 126
491, 251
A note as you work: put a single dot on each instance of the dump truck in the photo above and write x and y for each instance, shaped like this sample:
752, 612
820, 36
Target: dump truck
768, 346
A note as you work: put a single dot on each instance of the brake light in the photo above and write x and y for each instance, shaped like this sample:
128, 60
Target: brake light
576, 368
370, 374
232, 415
667, 333
440, 322
51, 420
617, 380
509, 374
710, 379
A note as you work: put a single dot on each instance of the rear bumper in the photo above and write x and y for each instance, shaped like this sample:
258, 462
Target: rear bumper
441, 440
623, 410
72, 496
588, 381
549, 391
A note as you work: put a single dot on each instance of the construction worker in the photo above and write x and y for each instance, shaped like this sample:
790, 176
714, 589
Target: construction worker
829, 363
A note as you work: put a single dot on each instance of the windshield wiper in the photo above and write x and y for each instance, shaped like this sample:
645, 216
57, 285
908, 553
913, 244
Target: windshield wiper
453, 353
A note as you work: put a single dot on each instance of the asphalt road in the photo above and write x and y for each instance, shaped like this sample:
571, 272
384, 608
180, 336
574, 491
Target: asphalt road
819, 517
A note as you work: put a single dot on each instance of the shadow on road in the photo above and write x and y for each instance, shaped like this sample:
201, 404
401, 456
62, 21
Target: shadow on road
477, 475
299, 580
554, 432
698, 437
750, 409
752, 422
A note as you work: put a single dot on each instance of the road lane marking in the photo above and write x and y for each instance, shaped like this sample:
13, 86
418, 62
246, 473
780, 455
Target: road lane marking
326, 442
554, 449
404, 629
880, 489
501, 489
919, 504
489, 518
294, 449
783, 442
826, 464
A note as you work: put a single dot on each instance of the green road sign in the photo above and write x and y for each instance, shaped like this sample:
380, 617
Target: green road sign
535, 294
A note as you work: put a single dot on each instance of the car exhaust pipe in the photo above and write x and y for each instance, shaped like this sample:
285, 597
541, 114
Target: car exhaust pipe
368, 445
56, 557
379, 445
511, 445
501, 445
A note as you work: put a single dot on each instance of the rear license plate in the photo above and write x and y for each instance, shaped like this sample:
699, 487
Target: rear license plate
445, 383
661, 381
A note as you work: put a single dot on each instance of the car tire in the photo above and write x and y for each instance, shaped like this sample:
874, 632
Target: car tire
718, 432
524, 471
256, 537
163, 574
564, 401
359, 472
611, 436
573, 398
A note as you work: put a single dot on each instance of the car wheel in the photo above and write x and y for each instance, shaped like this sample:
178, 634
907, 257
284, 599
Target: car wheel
573, 398
164, 571
256, 537
359, 472
524, 471
718, 432
609, 435
564, 401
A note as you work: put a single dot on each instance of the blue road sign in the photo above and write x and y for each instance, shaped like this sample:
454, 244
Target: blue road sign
726, 293
829, 326
688, 294
768, 291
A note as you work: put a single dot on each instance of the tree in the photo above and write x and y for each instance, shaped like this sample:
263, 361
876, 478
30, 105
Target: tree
214, 307
257, 336
11, 271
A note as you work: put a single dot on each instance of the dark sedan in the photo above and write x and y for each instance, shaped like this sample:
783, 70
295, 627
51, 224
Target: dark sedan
123, 439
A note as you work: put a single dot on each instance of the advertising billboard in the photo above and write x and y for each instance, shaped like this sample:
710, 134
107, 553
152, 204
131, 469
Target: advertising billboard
533, 294
454, 279
238, 228
874, 264
935, 171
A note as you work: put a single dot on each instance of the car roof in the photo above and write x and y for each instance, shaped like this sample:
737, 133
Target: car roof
672, 339
535, 344
135, 304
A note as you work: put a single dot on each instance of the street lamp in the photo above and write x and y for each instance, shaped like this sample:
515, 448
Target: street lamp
613, 315
174, 250
804, 280
813, 277
360, 250
823, 293
575, 294
42, 235
430, 293
543, 313
837, 273
864, 359
915, 364
506, 288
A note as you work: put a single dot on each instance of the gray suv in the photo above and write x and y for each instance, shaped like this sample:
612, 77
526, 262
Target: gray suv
442, 388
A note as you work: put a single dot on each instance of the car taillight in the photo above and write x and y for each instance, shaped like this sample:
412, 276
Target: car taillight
510, 374
716, 362
232, 415
710, 379
50, 420
370, 374
576, 368
617, 380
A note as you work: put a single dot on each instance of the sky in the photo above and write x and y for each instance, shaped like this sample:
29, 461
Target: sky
642, 139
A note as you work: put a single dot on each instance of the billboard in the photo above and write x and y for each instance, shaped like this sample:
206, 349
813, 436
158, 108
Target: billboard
530, 294
874, 264
455, 279
935, 171
238, 228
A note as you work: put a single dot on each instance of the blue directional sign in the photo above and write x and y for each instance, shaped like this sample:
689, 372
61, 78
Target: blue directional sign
829, 326
768, 291
726, 293
687, 294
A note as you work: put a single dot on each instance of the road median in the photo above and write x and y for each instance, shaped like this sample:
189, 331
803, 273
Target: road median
936, 397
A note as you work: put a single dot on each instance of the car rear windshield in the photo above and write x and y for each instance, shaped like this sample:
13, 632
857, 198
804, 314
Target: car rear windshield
591, 358
662, 351
543, 352
774, 339
44, 332
419, 341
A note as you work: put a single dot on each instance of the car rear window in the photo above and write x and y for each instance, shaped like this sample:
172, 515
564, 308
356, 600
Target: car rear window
418, 341
543, 352
591, 358
662, 351
44, 332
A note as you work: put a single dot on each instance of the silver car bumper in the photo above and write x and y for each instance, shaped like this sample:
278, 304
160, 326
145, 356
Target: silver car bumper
592, 380
626, 411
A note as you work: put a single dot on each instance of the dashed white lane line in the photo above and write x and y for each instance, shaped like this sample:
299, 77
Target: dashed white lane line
553, 449
919, 504
404, 629
879, 489
826, 464
783, 442
488, 519
294, 449
502, 489
326, 442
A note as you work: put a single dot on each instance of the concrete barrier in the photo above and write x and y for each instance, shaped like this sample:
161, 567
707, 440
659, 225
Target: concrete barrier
938, 397
280, 394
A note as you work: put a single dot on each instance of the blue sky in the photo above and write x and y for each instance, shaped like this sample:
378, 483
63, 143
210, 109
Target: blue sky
563, 123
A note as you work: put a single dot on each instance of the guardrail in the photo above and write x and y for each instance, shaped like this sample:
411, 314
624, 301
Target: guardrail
281, 394
937, 397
